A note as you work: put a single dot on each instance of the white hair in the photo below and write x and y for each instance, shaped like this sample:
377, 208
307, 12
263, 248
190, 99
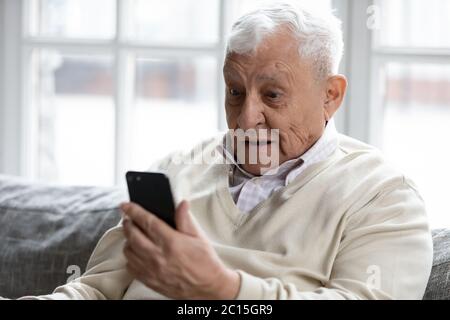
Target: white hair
319, 34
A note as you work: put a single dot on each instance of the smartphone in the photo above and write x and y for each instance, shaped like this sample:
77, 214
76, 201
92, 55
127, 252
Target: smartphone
152, 191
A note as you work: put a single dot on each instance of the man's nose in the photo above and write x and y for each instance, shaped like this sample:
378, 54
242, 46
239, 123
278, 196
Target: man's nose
251, 115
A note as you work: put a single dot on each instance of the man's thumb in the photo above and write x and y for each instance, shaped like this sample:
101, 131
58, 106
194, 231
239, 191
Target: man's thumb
184, 221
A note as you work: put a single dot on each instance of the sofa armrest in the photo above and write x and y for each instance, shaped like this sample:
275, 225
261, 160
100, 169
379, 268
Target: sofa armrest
439, 283
47, 232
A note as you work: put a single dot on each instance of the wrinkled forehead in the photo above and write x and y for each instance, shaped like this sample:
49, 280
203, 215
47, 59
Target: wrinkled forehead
271, 61
281, 47
267, 71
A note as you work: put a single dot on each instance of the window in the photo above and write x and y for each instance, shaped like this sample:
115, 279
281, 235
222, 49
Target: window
71, 19
412, 80
400, 23
173, 21
74, 98
115, 85
176, 96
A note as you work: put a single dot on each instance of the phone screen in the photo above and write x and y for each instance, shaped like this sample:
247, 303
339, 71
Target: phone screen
152, 191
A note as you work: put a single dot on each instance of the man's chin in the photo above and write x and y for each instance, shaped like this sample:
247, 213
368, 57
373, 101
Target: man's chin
256, 169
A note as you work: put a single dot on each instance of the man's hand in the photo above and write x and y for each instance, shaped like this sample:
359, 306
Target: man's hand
180, 264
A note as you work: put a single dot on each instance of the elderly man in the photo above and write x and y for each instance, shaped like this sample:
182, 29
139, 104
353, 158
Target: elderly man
332, 221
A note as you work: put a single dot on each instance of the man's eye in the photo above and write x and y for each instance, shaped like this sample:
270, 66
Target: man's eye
273, 95
234, 92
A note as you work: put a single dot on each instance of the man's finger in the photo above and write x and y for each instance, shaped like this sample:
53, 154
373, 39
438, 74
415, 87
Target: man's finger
139, 241
133, 258
156, 229
185, 222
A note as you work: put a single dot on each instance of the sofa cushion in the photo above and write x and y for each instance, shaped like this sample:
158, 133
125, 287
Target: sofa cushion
439, 283
47, 233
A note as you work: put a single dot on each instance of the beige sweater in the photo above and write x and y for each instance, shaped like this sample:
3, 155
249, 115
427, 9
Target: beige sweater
349, 227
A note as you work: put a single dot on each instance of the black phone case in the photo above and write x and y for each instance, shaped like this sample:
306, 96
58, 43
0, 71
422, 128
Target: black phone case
151, 190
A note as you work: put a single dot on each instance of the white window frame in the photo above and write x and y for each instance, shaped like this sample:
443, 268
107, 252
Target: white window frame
383, 56
364, 63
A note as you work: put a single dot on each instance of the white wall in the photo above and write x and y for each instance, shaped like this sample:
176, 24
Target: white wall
10, 94
2, 95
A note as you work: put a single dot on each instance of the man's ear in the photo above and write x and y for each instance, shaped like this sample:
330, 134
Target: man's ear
336, 87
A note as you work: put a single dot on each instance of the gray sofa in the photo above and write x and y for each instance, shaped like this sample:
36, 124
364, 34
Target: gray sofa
47, 234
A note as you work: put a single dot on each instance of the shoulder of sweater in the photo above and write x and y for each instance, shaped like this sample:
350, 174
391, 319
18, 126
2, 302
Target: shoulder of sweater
351, 145
371, 171
359, 155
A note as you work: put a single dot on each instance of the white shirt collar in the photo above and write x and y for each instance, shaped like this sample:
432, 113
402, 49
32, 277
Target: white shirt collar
323, 147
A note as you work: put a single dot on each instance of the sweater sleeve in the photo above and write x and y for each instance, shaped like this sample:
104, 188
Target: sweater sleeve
386, 252
106, 276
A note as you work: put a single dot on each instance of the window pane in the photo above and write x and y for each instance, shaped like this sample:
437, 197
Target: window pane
415, 23
416, 130
73, 18
240, 7
175, 106
172, 21
74, 96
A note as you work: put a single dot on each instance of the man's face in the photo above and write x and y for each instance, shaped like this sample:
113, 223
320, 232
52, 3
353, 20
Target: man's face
274, 89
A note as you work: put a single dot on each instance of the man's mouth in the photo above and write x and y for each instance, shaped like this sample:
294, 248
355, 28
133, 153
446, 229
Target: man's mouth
257, 143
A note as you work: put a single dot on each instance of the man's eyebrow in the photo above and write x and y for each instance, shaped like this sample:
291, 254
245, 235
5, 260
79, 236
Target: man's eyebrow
230, 73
